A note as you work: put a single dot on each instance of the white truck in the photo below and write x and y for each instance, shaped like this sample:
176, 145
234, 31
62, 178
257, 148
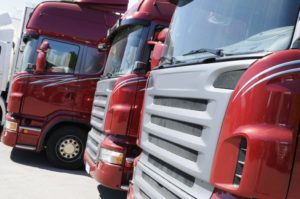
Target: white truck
10, 55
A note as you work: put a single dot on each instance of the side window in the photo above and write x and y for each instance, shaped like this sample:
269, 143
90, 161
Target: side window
94, 61
61, 57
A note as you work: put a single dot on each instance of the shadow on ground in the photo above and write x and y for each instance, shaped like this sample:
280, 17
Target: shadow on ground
38, 160
106, 193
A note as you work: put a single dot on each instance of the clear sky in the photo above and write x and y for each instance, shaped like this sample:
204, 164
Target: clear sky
16, 7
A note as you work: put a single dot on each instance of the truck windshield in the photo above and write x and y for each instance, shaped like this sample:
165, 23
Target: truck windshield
203, 28
124, 51
28, 54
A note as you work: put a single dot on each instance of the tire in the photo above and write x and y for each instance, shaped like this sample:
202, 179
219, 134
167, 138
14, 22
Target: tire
65, 147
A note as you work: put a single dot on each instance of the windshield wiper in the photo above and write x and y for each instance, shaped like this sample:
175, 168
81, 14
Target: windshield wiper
168, 60
217, 52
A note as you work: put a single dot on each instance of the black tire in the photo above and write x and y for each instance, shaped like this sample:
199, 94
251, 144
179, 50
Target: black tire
67, 138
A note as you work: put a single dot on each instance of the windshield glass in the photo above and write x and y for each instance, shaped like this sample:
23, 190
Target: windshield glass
201, 27
124, 51
28, 54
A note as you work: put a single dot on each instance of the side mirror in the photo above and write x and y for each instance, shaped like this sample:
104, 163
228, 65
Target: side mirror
140, 68
158, 48
102, 47
163, 35
156, 54
41, 58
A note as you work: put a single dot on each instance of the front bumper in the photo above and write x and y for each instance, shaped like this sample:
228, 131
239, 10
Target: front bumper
24, 137
106, 174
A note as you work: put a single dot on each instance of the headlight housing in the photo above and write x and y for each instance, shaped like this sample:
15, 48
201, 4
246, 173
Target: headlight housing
11, 126
229, 79
110, 156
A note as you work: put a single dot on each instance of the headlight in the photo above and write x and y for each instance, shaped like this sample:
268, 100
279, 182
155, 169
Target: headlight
12, 126
110, 156
229, 79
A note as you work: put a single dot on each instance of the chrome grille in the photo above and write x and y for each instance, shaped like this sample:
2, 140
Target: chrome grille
98, 111
93, 142
101, 99
183, 116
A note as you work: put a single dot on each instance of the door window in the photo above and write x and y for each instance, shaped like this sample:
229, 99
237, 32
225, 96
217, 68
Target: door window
61, 57
94, 61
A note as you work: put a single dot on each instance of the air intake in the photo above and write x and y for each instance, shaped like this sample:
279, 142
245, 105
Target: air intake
241, 162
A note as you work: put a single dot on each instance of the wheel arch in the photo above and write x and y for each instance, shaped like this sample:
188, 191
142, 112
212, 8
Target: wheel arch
51, 128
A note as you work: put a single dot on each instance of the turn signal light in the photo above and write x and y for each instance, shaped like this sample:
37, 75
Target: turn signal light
12, 126
110, 156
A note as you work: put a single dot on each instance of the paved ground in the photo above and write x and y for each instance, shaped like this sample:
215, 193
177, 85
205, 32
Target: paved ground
27, 175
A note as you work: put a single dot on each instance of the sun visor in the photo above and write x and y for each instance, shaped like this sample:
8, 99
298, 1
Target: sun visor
72, 21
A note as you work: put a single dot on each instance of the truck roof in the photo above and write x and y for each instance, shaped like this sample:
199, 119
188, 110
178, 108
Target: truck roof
86, 22
154, 10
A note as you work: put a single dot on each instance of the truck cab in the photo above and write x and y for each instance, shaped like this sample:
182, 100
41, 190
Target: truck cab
111, 145
52, 93
221, 112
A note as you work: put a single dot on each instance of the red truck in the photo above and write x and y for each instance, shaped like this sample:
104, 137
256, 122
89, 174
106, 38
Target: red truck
111, 145
51, 97
222, 111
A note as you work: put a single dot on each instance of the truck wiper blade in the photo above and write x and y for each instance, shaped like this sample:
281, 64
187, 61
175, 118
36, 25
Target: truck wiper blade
170, 60
218, 52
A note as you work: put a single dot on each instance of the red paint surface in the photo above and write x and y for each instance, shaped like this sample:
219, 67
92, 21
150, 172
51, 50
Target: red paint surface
124, 110
267, 116
33, 100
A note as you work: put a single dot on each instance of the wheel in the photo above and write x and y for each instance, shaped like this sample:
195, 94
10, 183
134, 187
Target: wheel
65, 147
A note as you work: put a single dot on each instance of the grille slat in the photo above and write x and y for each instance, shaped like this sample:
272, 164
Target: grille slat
175, 148
184, 103
158, 187
240, 163
172, 171
188, 128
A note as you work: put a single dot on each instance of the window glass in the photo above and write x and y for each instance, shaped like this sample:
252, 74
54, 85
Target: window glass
28, 54
234, 26
124, 50
61, 57
94, 61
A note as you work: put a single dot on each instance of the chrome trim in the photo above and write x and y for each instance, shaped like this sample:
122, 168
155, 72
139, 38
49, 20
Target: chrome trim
30, 148
30, 128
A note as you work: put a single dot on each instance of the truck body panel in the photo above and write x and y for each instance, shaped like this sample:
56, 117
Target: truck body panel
119, 98
62, 95
221, 113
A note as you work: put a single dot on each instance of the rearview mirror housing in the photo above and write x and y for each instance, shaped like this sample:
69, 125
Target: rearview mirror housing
41, 58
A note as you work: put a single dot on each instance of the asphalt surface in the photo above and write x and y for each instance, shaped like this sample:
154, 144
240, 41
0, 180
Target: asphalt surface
28, 175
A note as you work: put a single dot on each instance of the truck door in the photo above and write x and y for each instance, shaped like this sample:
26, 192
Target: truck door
51, 93
91, 68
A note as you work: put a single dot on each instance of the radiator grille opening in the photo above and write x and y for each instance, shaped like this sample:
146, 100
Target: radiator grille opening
188, 128
174, 148
184, 103
172, 171
100, 97
159, 188
241, 162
